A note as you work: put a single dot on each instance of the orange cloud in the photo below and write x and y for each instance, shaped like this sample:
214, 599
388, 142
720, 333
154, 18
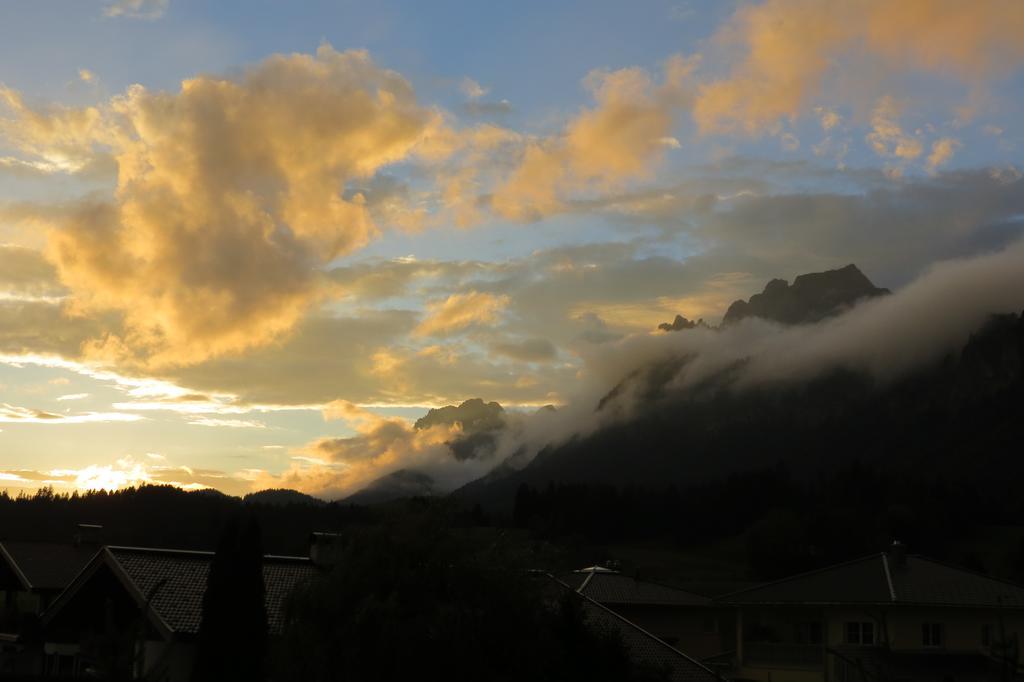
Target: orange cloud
887, 138
788, 46
622, 138
459, 311
229, 197
942, 151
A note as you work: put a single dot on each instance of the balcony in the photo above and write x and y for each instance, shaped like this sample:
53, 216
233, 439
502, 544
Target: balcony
783, 654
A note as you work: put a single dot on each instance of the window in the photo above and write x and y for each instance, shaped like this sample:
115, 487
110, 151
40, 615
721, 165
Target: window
862, 633
931, 634
808, 633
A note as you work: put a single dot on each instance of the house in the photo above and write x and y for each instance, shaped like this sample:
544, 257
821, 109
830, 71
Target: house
135, 611
692, 622
888, 616
32, 574
642, 646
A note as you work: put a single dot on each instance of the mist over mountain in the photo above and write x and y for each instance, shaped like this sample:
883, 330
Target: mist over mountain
474, 415
815, 375
394, 486
479, 422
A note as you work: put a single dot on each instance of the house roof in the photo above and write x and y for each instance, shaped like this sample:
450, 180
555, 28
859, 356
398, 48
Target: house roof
174, 581
881, 579
643, 647
46, 566
611, 587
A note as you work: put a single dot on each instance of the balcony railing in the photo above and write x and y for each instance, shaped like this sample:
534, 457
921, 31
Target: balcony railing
783, 654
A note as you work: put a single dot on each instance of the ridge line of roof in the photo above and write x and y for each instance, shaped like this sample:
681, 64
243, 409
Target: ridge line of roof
669, 586
142, 601
17, 569
978, 574
888, 576
797, 576
636, 627
666, 586
196, 552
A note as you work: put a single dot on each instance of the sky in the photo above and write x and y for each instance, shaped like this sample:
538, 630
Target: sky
246, 244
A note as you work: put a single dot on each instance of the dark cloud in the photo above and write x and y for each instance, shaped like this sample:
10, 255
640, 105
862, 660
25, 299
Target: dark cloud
527, 350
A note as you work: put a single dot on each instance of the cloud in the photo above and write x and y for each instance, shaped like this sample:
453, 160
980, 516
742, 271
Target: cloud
136, 9
527, 350
471, 89
942, 152
622, 138
12, 414
459, 311
828, 118
787, 48
485, 109
25, 272
56, 138
228, 200
126, 472
887, 139
336, 467
227, 423
886, 337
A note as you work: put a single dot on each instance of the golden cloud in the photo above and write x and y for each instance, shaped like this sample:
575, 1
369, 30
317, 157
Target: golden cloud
334, 466
459, 311
622, 138
887, 138
230, 196
788, 47
942, 151
61, 139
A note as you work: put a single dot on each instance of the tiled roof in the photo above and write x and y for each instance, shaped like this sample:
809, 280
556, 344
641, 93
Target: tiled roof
610, 587
179, 601
880, 579
643, 647
46, 565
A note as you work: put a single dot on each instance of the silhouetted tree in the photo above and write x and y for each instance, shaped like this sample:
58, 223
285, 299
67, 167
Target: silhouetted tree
233, 632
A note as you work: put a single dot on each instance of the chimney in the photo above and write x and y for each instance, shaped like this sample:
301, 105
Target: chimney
325, 549
897, 554
88, 534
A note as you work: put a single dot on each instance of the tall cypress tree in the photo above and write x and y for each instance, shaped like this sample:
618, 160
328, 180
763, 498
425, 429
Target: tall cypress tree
233, 632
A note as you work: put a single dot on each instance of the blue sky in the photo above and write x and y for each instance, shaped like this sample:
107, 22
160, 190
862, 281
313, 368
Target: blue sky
354, 212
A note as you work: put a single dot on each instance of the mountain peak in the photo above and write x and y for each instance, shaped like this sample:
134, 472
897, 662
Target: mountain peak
474, 414
681, 323
811, 297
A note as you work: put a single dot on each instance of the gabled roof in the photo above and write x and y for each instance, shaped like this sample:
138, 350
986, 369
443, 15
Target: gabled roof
880, 579
174, 581
643, 647
46, 566
611, 587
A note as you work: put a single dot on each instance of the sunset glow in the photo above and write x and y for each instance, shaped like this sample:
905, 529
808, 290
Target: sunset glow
245, 247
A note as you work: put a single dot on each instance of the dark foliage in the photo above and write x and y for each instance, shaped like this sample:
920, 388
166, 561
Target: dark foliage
164, 516
455, 610
232, 640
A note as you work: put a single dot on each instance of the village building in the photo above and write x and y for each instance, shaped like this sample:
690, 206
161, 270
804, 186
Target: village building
691, 622
642, 646
32, 574
136, 611
888, 616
